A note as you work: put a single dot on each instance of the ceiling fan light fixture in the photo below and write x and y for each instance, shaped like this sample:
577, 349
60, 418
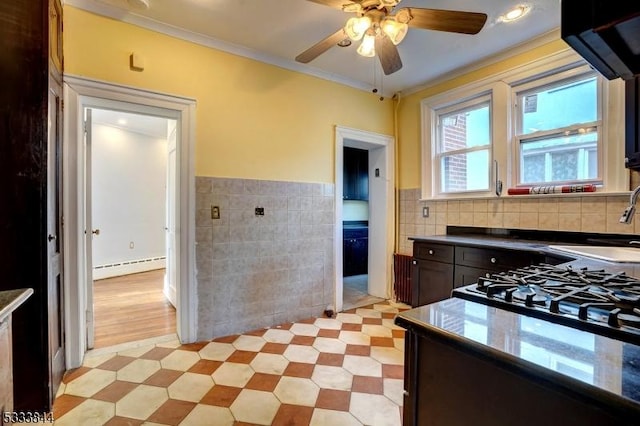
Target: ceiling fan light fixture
516, 13
357, 27
368, 46
396, 31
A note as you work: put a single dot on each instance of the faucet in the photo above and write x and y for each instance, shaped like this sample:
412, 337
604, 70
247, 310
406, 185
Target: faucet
627, 215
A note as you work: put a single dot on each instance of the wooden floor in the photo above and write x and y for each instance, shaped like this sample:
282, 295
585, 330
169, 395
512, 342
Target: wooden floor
130, 308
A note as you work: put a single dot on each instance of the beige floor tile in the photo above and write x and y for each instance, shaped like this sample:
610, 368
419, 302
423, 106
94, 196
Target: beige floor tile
323, 417
274, 335
299, 353
190, 387
349, 318
304, 329
91, 412
376, 330
297, 391
233, 374
141, 402
328, 323
257, 407
209, 415
170, 344
329, 377
394, 390
93, 361
90, 383
387, 322
180, 360
387, 355
217, 351
136, 352
333, 346
368, 313
269, 363
139, 370
355, 338
362, 366
374, 409
399, 345
386, 308
249, 343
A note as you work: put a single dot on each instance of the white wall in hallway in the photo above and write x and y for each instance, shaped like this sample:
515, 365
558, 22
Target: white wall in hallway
129, 195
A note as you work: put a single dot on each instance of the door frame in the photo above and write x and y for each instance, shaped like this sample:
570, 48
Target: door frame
381, 209
80, 92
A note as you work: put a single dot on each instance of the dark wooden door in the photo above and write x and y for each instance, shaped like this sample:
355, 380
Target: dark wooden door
431, 281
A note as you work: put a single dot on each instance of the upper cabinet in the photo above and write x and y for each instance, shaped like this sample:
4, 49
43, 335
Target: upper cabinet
355, 174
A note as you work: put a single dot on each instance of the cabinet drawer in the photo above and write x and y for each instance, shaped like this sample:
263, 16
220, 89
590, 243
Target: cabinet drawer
433, 251
495, 259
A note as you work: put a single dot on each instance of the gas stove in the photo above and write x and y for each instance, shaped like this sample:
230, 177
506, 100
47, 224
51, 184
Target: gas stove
593, 300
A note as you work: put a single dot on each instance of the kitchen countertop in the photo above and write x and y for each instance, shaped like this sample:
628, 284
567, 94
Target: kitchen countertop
604, 371
11, 299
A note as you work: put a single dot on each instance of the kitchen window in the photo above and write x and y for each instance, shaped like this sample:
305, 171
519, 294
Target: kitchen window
558, 128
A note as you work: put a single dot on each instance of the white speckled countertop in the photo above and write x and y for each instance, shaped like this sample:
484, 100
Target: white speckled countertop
11, 299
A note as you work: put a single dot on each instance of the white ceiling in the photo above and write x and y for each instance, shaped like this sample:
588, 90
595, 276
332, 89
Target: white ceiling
276, 31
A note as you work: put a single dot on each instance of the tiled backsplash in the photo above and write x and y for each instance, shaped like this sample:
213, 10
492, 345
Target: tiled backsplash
573, 213
258, 271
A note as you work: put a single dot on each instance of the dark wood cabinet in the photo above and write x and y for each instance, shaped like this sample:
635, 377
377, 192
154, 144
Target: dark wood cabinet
30, 170
355, 185
355, 251
432, 281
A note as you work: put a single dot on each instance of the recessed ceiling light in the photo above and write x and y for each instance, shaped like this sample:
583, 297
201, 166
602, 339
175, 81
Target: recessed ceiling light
344, 43
515, 13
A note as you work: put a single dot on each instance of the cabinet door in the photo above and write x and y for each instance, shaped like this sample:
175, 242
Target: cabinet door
465, 275
431, 282
360, 248
355, 185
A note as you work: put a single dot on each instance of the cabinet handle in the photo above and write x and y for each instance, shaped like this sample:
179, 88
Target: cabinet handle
431, 252
493, 260
405, 393
414, 262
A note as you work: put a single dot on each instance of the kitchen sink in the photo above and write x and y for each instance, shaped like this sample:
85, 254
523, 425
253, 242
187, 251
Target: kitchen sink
609, 253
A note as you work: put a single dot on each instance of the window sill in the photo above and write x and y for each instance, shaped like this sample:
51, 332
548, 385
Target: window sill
531, 196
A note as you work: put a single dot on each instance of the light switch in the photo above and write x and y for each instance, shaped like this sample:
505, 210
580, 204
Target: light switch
215, 212
425, 211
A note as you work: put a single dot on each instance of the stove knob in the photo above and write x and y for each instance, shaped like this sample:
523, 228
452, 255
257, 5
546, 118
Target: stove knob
493, 260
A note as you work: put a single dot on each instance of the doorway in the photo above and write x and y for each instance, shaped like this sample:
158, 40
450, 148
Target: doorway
129, 182
377, 213
83, 95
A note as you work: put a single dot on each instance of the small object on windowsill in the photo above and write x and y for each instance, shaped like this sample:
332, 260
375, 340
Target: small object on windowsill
553, 189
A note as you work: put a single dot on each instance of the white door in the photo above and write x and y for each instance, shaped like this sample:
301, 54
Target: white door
89, 232
170, 229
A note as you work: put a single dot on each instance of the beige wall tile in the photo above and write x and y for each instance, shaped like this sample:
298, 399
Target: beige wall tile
593, 222
570, 205
548, 206
511, 220
529, 220
441, 230
466, 218
480, 206
511, 205
496, 220
495, 206
548, 220
453, 217
529, 205
480, 219
466, 206
594, 205
616, 205
453, 206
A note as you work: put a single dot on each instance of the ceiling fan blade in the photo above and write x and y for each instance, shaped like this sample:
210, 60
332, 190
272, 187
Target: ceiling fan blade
446, 20
388, 54
336, 4
319, 48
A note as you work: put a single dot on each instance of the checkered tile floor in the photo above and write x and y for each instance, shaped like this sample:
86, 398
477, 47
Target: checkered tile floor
342, 371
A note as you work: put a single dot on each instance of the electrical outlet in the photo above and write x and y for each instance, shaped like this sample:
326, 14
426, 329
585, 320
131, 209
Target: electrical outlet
259, 211
215, 212
425, 211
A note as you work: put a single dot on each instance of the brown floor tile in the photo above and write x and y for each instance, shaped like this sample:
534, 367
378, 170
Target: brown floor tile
351, 327
115, 391
222, 396
172, 412
330, 399
303, 340
392, 371
292, 415
263, 382
382, 341
398, 334
242, 357
358, 350
74, 374
388, 315
116, 363
157, 353
372, 321
259, 332
299, 369
123, 421
274, 348
163, 378
205, 366
335, 360
307, 321
350, 311
333, 334
366, 384
285, 326
65, 403
193, 347
226, 339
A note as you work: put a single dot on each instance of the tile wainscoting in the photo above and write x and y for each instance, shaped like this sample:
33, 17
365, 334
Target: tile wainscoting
259, 271
573, 213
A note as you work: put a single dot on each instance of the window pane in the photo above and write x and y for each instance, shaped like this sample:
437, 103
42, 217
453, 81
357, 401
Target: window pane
465, 129
465, 172
560, 106
560, 158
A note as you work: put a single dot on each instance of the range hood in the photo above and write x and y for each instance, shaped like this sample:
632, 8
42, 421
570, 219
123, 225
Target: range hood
606, 33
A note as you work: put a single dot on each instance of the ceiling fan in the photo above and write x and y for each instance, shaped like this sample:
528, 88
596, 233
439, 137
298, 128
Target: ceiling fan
381, 30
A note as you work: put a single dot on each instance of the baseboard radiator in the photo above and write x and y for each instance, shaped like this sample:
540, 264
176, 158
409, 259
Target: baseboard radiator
402, 277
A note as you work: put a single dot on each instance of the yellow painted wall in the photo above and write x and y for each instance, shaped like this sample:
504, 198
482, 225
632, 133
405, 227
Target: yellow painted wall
409, 120
253, 120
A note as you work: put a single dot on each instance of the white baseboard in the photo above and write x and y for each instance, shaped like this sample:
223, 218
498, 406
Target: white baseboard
128, 267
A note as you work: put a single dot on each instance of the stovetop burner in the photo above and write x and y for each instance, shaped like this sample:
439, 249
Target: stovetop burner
594, 300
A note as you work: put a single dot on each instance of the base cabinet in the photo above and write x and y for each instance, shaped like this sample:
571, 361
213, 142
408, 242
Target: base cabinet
431, 281
6, 374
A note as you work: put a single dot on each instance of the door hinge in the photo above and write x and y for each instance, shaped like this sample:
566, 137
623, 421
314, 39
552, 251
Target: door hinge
62, 105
